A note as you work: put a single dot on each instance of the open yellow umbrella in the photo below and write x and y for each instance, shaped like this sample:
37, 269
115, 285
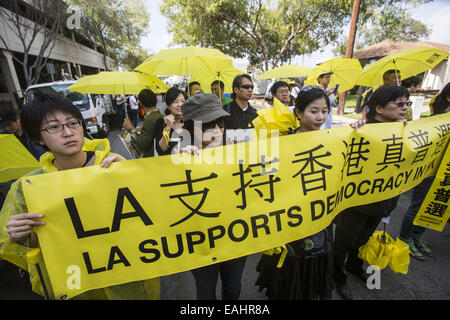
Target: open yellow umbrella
185, 61
226, 75
409, 62
117, 82
345, 72
287, 71
16, 160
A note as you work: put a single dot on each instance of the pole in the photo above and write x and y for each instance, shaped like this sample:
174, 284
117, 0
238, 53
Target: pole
349, 51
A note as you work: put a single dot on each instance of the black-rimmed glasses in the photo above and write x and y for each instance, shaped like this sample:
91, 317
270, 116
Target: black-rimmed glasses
55, 128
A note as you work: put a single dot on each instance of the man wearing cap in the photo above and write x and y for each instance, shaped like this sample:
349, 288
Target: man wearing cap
145, 137
10, 124
323, 81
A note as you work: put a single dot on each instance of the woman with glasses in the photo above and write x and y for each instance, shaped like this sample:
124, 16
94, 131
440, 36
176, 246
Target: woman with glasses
306, 272
208, 131
355, 225
56, 124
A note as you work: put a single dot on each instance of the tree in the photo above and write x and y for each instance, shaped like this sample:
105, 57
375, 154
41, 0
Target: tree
116, 26
389, 22
263, 32
36, 24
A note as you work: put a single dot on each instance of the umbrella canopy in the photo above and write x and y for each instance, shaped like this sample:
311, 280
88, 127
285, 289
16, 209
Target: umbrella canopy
226, 75
279, 117
345, 72
287, 71
381, 250
16, 161
112, 82
409, 62
185, 61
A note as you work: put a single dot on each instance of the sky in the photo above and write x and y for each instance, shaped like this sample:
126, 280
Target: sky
435, 14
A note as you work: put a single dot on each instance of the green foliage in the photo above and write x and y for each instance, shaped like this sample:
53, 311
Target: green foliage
116, 26
386, 20
264, 32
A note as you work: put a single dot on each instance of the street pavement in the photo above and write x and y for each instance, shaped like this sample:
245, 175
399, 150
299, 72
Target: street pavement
426, 280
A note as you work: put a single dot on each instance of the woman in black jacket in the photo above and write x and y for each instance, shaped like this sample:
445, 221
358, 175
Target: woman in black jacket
355, 225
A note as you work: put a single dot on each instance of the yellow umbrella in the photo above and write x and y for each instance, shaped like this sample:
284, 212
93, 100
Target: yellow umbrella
381, 250
409, 62
287, 71
279, 117
226, 75
16, 161
185, 61
345, 72
117, 82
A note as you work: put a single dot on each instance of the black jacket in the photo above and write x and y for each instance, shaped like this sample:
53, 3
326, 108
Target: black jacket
239, 119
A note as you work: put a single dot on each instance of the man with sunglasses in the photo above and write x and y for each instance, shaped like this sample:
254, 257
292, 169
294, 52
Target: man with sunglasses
241, 112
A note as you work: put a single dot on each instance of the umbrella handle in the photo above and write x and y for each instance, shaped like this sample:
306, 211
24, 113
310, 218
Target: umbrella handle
34, 257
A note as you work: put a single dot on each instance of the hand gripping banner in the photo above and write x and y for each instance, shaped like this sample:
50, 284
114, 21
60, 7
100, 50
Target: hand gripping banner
151, 217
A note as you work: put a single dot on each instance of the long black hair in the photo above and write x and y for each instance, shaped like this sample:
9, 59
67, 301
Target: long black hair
305, 97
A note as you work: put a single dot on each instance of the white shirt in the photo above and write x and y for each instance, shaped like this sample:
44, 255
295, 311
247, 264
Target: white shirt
133, 103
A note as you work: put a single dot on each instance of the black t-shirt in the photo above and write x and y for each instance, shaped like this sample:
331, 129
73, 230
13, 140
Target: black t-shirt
239, 119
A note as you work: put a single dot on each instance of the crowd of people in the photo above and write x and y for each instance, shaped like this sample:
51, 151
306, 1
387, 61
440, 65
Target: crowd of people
52, 129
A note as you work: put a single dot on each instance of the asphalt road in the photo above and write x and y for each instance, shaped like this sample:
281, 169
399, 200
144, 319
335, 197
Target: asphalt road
426, 280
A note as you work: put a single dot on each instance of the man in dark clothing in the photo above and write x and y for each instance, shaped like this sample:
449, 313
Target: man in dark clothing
241, 112
144, 138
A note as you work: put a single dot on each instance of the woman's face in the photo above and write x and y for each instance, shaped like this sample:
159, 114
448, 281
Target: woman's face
314, 115
392, 111
67, 142
211, 133
175, 107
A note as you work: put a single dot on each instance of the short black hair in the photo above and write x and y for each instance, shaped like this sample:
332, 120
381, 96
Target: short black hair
277, 85
148, 98
389, 72
411, 81
219, 82
440, 103
306, 97
382, 96
37, 110
237, 81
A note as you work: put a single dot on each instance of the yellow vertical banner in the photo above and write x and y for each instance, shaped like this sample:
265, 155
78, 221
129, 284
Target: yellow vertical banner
151, 217
434, 212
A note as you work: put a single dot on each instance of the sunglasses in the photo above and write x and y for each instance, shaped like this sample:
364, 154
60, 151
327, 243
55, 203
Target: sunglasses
247, 86
402, 103
220, 122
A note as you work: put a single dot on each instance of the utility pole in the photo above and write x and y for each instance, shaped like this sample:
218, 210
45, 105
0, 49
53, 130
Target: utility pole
349, 51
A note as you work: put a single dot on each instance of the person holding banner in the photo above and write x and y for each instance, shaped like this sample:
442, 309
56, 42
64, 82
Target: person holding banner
56, 124
206, 109
355, 225
410, 233
307, 269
